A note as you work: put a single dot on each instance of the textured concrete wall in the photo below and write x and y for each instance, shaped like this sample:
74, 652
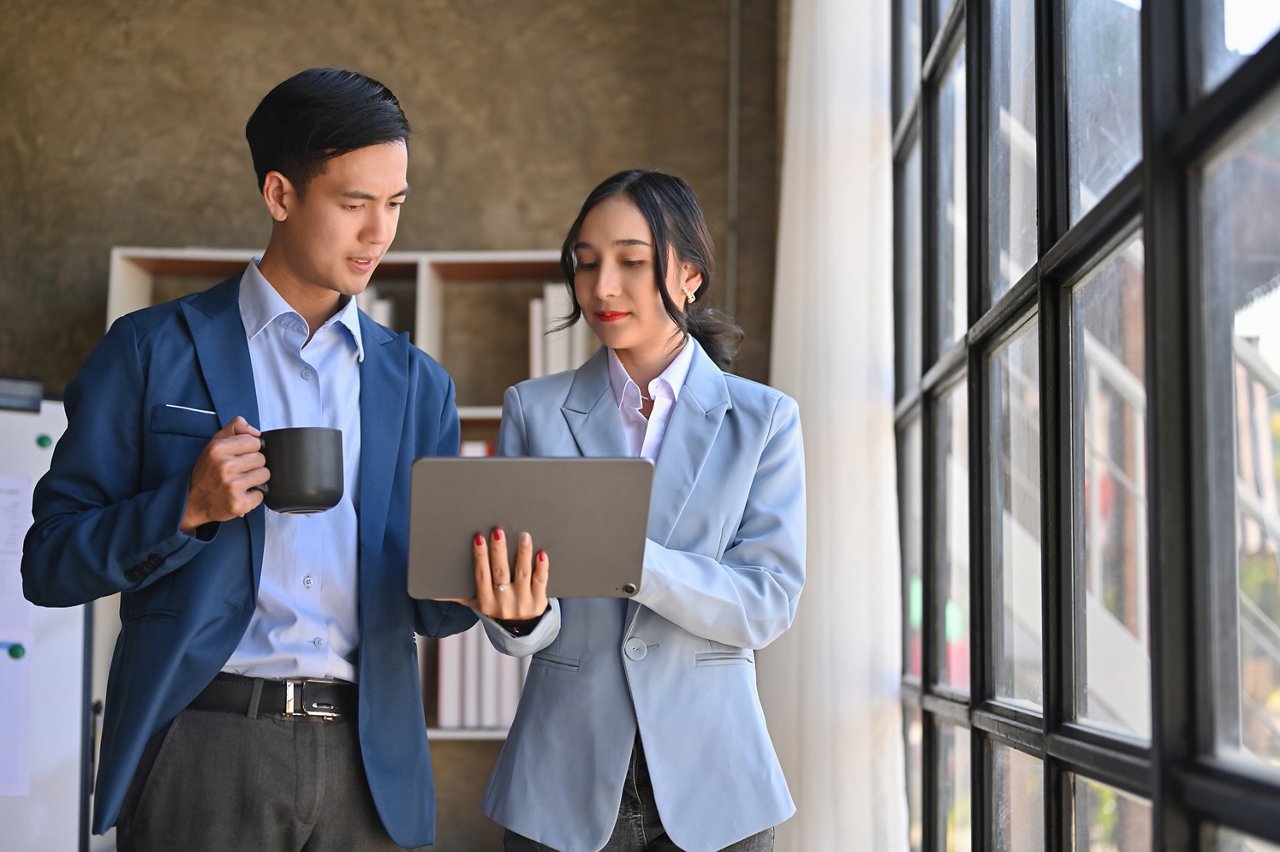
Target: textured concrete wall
123, 125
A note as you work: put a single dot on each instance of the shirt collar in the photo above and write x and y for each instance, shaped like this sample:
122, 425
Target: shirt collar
261, 305
627, 393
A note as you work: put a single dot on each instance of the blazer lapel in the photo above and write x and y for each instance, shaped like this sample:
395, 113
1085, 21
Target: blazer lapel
690, 435
384, 382
217, 333
591, 411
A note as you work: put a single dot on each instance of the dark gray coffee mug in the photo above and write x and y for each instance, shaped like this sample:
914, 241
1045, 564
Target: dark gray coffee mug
306, 469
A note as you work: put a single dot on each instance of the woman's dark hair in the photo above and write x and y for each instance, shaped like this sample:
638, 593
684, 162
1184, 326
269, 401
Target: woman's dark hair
319, 114
675, 219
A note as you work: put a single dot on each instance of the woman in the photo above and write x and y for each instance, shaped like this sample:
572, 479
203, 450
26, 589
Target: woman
640, 726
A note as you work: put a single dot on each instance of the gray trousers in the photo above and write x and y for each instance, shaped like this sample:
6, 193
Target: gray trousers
639, 828
223, 781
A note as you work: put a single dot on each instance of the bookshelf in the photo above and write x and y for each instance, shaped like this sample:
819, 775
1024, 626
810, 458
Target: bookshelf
449, 303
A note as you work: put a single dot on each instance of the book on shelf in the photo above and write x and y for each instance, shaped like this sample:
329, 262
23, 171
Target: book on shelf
537, 325
381, 311
474, 643
558, 348
449, 687
489, 673
563, 349
479, 686
475, 449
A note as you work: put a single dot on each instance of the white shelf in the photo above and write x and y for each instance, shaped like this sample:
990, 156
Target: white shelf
466, 733
480, 412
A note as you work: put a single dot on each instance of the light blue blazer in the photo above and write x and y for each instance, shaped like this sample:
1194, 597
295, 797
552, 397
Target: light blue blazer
724, 564
107, 515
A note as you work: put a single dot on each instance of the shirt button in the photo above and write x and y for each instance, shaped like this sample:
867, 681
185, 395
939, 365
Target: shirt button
635, 649
306, 374
308, 582
318, 642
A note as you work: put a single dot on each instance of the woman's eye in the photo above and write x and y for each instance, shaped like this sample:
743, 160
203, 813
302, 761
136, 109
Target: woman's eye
633, 262
584, 265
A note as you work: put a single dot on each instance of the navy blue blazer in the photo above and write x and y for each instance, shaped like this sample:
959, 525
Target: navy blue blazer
107, 515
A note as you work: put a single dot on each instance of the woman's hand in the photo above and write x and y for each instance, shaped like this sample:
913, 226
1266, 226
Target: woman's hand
500, 594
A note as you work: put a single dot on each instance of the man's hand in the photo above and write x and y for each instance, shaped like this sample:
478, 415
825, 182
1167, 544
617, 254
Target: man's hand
223, 479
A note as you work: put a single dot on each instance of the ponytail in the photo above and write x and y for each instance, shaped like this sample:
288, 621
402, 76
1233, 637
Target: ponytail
715, 332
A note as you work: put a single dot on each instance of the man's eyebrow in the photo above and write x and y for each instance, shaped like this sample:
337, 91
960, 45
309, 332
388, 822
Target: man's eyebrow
365, 196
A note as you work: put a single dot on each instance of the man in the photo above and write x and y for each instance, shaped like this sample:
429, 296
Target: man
239, 622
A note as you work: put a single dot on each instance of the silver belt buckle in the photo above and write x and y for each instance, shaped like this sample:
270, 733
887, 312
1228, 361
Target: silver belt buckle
295, 701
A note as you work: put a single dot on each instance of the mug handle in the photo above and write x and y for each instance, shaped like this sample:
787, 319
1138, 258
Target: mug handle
262, 447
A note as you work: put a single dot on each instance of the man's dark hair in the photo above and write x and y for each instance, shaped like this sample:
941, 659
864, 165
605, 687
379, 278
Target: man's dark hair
319, 114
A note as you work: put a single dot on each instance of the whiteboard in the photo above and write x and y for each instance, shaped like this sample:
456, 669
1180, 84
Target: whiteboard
47, 738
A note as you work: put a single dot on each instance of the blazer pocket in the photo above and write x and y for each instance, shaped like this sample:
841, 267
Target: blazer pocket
180, 420
553, 661
720, 658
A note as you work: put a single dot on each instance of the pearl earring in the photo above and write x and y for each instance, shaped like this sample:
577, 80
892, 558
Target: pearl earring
688, 294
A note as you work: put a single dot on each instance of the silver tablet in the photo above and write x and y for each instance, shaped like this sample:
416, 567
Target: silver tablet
589, 514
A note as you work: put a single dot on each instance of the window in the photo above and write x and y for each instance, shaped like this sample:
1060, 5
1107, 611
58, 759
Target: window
1087, 294
1241, 275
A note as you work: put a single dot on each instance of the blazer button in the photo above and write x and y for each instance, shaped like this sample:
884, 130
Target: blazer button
132, 575
635, 649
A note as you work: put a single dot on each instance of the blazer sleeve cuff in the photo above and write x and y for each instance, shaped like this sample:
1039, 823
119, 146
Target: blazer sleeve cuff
540, 637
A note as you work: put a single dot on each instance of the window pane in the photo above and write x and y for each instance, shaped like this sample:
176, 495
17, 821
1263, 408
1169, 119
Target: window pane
1233, 31
953, 568
955, 806
1014, 455
940, 9
952, 217
1108, 416
1012, 152
1108, 820
911, 493
1017, 800
913, 727
1226, 840
1104, 115
909, 55
909, 270
1241, 203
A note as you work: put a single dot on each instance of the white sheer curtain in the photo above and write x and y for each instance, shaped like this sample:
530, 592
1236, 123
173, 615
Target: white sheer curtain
830, 685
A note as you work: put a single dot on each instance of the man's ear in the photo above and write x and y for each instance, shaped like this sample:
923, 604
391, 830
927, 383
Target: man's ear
278, 194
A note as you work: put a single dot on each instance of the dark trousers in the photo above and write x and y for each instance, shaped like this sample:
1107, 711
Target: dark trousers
223, 781
639, 828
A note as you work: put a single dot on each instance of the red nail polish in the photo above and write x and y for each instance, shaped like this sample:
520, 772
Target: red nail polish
497, 534
479, 540
542, 556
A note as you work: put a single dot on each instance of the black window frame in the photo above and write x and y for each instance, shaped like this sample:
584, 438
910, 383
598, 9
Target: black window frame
1187, 785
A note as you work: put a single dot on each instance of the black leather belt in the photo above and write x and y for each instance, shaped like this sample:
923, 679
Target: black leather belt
287, 699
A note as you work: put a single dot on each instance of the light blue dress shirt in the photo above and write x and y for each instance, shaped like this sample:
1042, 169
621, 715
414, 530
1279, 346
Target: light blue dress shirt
306, 623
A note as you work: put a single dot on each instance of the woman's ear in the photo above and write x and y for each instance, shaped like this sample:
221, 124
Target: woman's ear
278, 195
690, 277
